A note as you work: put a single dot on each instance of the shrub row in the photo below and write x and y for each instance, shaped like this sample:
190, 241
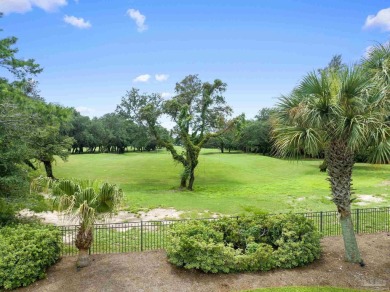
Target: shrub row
256, 243
26, 251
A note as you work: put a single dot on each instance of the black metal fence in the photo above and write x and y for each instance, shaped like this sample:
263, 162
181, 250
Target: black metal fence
152, 235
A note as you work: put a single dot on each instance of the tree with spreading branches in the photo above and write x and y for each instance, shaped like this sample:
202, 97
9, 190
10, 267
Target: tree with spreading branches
198, 110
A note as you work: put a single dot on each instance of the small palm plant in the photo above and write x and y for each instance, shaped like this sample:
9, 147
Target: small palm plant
84, 201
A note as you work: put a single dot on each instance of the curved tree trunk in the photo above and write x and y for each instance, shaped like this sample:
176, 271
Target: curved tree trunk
340, 163
324, 165
191, 181
48, 168
29, 163
183, 182
83, 243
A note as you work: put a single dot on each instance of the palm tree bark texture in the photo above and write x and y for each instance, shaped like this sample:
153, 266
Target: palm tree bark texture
83, 242
340, 161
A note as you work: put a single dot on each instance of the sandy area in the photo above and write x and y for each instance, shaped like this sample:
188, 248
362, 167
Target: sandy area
384, 183
57, 218
367, 199
150, 271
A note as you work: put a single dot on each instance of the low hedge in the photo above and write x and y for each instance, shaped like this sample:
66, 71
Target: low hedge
240, 244
26, 251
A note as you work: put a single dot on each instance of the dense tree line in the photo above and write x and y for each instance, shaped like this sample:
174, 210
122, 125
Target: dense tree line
249, 135
110, 133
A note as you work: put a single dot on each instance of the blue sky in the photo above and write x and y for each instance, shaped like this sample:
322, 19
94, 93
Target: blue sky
93, 51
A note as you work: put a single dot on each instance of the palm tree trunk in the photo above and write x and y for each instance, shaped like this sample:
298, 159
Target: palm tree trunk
83, 259
352, 252
83, 243
340, 164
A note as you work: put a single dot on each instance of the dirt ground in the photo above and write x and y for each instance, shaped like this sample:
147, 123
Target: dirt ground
150, 271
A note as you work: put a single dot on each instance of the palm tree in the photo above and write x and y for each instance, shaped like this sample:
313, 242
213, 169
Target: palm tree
84, 201
339, 111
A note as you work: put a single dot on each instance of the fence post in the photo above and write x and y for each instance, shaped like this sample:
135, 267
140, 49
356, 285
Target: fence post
142, 236
357, 221
321, 228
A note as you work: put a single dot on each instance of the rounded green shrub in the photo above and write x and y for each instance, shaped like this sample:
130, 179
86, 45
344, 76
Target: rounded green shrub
240, 244
26, 251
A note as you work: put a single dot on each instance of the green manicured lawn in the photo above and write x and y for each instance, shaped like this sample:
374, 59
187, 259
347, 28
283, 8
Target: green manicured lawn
225, 183
305, 289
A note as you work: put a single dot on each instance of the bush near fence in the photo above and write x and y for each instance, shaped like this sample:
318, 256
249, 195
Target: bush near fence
152, 235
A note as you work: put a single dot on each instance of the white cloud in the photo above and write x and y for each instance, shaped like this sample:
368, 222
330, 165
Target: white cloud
381, 20
77, 22
138, 18
166, 94
142, 78
161, 77
85, 111
22, 6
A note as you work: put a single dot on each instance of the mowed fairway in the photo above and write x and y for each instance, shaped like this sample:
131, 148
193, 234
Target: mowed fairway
225, 183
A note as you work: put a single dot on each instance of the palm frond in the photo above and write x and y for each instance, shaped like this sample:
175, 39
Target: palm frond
41, 184
380, 139
80, 198
108, 198
293, 142
86, 195
86, 216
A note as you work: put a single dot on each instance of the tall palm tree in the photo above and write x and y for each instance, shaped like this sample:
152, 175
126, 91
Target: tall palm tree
340, 111
84, 201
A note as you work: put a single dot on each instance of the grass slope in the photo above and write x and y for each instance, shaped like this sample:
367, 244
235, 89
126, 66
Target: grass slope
225, 183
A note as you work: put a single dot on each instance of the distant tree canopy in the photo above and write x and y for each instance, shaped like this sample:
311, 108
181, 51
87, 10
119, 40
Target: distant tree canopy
253, 135
198, 110
111, 133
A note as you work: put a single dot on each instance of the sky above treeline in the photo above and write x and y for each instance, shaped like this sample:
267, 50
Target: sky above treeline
93, 51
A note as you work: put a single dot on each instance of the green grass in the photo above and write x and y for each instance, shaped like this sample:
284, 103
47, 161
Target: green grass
305, 289
119, 239
225, 183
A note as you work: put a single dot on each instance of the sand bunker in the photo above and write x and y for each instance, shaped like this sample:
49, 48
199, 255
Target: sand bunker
58, 219
367, 199
384, 183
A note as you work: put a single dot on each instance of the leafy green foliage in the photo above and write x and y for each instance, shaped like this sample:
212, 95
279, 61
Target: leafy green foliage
7, 212
26, 251
244, 244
